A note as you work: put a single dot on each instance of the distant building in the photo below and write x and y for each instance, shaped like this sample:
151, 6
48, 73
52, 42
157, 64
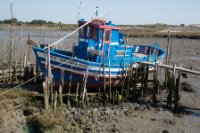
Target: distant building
194, 25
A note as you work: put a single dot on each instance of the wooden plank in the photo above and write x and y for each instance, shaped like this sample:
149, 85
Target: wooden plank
171, 67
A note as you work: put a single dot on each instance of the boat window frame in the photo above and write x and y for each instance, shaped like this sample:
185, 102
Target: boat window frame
94, 32
107, 40
83, 31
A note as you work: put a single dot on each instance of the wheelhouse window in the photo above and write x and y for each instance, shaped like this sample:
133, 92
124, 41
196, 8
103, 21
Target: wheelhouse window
88, 31
83, 31
94, 33
107, 35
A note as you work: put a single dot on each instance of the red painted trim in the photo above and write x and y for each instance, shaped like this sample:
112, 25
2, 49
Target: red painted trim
101, 26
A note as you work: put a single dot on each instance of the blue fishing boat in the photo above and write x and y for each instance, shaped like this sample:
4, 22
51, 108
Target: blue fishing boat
100, 55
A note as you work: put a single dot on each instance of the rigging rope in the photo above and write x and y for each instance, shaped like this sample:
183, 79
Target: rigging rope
62, 39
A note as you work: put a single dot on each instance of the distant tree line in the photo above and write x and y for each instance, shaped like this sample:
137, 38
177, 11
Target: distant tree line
33, 22
37, 22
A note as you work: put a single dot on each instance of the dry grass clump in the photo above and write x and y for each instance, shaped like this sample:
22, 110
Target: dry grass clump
46, 121
15, 93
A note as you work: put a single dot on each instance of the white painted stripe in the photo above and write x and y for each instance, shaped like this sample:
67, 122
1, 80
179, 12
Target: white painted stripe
83, 72
83, 40
112, 43
79, 65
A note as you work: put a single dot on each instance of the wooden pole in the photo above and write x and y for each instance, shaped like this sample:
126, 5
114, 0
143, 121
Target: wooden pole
170, 49
172, 67
4, 59
55, 100
46, 95
155, 84
25, 60
167, 56
60, 95
129, 78
125, 71
84, 88
69, 89
77, 90
178, 85
62, 78
135, 78
171, 85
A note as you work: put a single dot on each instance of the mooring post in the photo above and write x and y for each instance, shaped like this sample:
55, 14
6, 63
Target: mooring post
46, 96
171, 85
4, 60
167, 56
55, 101
155, 88
174, 81
129, 77
60, 95
62, 78
141, 79
146, 76
170, 50
84, 88
76, 96
135, 78
69, 89
178, 85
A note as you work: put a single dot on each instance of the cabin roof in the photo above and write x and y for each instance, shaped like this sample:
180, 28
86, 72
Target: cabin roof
100, 23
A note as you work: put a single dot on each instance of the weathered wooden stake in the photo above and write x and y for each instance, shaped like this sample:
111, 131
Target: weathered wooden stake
129, 78
62, 78
170, 50
25, 60
46, 95
167, 56
60, 95
77, 90
55, 100
84, 88
135, 79
142, 80
178, 85
155, 88
4, 59
171, 85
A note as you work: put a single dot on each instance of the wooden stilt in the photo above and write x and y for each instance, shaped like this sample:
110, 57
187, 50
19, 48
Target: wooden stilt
129, 79
4, 60
85, 88
171, 86
141, 80
55, 100
60, 95
25, 60
69, 89
46, 95
62, 78
170, 50
135, 79
76, 96
167, 56
155, 88
178, 85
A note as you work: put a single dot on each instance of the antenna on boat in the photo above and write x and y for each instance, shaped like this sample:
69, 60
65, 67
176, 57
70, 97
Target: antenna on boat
79, 10
97, 12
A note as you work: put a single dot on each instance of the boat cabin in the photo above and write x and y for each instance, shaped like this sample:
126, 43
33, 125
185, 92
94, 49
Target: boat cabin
98, 40
102, 42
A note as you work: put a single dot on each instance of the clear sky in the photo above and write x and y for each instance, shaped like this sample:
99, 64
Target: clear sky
123, 11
